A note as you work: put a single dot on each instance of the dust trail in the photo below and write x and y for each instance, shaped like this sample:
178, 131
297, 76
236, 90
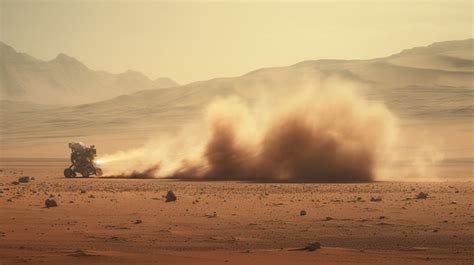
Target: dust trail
319, 134
138, 174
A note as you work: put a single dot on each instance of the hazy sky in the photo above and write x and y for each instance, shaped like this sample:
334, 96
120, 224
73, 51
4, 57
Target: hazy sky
190, 41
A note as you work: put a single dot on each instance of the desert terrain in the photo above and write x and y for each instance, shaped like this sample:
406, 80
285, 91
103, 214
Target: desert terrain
118, 219
124, 221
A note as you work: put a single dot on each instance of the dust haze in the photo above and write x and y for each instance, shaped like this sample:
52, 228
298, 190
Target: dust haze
322, 132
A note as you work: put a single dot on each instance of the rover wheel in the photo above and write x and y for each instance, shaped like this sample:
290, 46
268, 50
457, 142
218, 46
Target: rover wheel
68, 173
98, 172
85, 173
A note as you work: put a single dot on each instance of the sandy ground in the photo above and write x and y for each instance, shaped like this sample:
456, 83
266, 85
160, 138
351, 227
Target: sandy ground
228, 222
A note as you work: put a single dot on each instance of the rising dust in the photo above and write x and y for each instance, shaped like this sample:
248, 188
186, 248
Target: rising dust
321, 133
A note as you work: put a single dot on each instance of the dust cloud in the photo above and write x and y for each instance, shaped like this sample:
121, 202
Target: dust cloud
322, 132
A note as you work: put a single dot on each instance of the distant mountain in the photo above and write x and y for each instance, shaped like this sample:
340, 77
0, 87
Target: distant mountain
65, 80
418, 83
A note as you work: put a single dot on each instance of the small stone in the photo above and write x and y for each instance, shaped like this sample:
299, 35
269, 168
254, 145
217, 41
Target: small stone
170, 197
328, 218
212, 215
138, 221
312, 246
24, 179
422, 196
79, 253
376, 199
302, 213
50, 202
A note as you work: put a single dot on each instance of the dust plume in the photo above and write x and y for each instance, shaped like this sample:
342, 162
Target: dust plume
321, 133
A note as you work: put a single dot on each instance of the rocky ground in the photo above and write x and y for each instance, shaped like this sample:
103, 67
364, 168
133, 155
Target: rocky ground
123, 221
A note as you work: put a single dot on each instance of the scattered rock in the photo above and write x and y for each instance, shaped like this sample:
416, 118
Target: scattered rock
213, 215
15, 182
83, 191
376, 199
80, 253
50, 202
302, 213
312, 246
383, 223
328, 218
170, 197
422, 196
138, 221
24, 179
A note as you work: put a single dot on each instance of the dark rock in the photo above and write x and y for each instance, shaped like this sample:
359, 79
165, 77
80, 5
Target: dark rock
376, 199
312, 246
138, 221
170, 197
50, 202
24, 179
302, 213
422, 196
329, 218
